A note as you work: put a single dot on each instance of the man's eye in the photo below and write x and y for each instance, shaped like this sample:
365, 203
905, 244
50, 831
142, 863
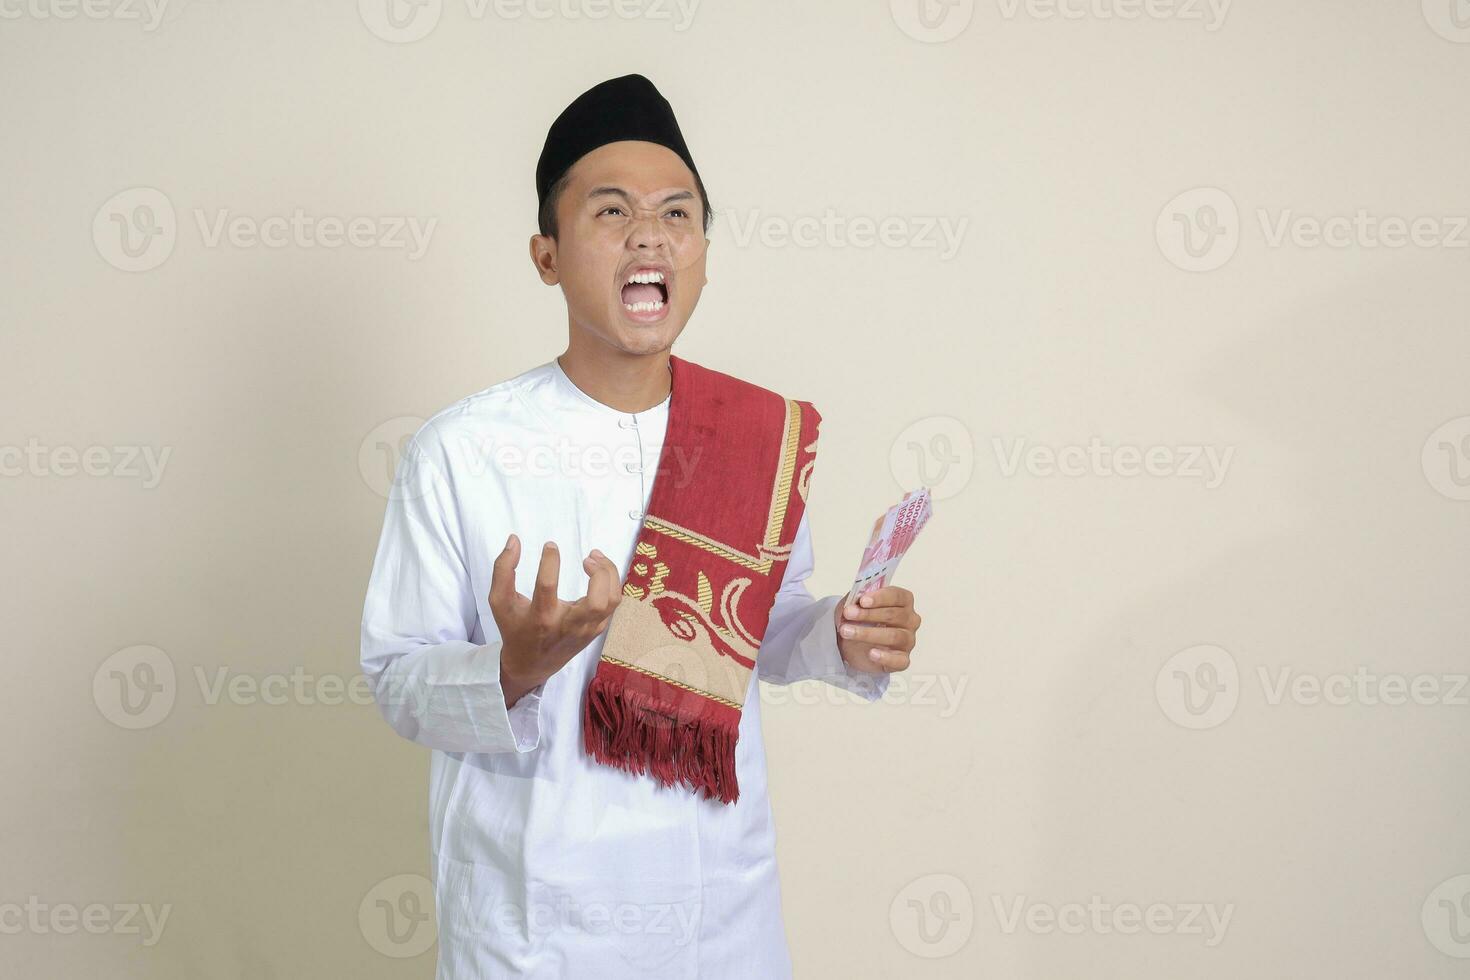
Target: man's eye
680, 212
610, 207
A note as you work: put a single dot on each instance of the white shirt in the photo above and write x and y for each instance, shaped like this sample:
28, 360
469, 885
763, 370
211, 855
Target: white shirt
545, 862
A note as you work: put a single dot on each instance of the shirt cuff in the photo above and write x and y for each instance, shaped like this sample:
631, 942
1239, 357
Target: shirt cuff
819, 647
448, 696
525, 719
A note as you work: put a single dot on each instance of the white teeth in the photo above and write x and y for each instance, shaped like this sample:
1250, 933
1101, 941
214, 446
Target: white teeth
646, 276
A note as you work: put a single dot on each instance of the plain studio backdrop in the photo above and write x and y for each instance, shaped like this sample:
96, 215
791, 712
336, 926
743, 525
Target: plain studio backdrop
1165, 300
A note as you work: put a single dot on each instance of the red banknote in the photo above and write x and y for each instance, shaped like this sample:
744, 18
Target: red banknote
893, 535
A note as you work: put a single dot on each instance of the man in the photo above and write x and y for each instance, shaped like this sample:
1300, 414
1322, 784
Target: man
598, 789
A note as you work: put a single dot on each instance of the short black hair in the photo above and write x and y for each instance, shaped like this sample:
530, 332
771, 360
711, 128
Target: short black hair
546, 217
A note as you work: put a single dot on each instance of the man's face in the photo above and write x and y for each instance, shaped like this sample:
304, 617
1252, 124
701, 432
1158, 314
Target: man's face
630, 210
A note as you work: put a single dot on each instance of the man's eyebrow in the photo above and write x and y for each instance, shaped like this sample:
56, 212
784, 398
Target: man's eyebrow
619, 192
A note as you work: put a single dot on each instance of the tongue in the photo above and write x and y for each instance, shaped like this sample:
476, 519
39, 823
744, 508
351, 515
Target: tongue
641, 292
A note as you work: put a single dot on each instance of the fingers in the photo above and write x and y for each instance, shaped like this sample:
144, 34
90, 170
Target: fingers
900, 616
886, 619
888, 661
888, 595
543, 600
503, 575
888, 637
597, 591
603, 590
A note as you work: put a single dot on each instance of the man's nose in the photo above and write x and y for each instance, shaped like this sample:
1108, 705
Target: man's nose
647, 232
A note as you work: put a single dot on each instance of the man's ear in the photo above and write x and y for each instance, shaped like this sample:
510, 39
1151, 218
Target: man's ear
543, 257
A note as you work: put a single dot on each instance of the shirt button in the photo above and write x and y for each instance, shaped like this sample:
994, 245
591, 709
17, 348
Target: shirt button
627, 423
635, 514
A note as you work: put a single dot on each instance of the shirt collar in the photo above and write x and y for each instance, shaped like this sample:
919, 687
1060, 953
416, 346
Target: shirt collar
569, 389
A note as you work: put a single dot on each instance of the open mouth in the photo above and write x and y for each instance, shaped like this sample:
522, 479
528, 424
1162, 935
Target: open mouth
646, 292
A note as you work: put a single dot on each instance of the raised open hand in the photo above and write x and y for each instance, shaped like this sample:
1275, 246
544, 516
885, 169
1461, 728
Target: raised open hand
540, 634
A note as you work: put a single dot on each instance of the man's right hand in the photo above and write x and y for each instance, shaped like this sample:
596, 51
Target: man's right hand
540, 634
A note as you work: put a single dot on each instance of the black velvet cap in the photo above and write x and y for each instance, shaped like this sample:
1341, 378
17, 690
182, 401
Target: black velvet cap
624, 108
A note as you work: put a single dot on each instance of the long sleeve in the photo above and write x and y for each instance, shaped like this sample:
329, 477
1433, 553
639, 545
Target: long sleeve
433, 684
801, 638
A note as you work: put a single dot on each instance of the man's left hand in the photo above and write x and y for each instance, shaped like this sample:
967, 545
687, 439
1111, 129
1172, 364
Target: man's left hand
877, 635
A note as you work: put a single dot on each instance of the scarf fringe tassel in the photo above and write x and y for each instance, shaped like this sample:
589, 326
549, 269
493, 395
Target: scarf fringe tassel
670, 738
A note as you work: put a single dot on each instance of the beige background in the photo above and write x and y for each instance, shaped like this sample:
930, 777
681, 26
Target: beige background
1030, 761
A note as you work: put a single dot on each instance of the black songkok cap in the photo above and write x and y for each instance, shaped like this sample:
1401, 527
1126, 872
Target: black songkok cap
626, 108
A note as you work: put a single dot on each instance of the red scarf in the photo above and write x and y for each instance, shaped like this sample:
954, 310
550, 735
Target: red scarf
728, 495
